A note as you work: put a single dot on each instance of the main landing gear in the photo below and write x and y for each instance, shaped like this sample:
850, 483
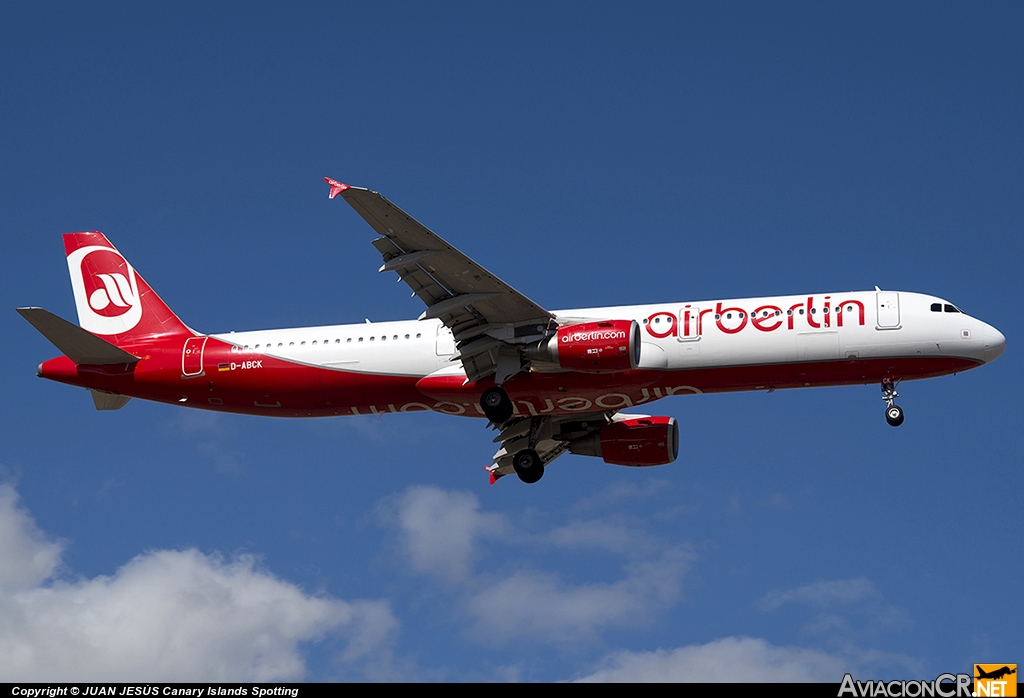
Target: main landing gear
893, 413
497, 405
528, 466
527, 463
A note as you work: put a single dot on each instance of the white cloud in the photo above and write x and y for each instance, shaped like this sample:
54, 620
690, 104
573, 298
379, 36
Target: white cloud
166, 615
731, 659
439, 529
845, 610
541, 606
602, 534
441, 532
620, 492
26, 556
822, 594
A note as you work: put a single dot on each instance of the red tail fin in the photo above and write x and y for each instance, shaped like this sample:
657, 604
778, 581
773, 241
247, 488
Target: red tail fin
113, 300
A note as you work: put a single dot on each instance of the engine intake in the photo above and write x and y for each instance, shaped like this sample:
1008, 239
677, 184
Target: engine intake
605, 346
638, 441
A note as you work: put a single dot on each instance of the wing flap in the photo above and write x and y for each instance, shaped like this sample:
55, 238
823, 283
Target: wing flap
81, 346
549, 436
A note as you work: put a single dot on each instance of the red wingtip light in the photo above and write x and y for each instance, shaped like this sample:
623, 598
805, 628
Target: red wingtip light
336, 187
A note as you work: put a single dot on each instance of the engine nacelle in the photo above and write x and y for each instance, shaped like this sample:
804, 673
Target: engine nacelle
604, 346
638, 441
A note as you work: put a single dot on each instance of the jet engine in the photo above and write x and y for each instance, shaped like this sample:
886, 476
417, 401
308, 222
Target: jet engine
635, 441
605, 346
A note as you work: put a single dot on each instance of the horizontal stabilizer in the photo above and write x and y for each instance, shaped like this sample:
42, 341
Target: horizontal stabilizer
108, 401
81, 346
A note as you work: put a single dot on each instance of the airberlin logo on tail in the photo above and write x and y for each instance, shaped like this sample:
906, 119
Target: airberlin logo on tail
116, 295
106, 290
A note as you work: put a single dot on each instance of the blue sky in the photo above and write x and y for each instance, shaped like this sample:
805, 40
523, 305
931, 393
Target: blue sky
587, 155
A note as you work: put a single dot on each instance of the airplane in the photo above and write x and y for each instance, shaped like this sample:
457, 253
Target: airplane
995, 674
549, 382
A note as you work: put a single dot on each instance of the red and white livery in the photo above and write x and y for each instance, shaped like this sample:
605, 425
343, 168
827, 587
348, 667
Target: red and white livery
549, 381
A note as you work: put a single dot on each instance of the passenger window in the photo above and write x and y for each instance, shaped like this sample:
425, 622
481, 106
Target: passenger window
302, 344
291, 344
407, 336
418, 335
314, 342
801, 311
936, 307
360, 339
348, 341
395, 337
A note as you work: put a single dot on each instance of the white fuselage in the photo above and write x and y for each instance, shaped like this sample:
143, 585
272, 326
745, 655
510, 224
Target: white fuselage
675, 336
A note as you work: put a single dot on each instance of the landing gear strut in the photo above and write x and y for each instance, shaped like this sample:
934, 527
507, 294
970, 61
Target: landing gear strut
496, 405
893, 412
528, 466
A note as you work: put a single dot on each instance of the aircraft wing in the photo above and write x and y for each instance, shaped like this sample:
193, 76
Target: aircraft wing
483, 312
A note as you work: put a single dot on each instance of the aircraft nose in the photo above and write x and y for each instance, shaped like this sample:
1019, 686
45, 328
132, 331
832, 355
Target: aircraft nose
995, 342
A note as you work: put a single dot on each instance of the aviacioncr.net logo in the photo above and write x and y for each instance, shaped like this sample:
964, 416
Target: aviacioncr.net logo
106, 290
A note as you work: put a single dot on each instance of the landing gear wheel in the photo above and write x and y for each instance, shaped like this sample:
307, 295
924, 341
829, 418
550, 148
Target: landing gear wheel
528, 466
893, 413
496, 405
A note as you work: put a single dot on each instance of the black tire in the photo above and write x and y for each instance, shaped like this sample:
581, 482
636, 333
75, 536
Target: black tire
894, 415
528, 466
496, 405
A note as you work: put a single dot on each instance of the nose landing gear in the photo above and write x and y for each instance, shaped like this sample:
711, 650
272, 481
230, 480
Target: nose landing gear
893, 412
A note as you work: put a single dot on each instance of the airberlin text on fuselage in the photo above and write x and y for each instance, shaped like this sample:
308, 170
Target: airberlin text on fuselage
765, 318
